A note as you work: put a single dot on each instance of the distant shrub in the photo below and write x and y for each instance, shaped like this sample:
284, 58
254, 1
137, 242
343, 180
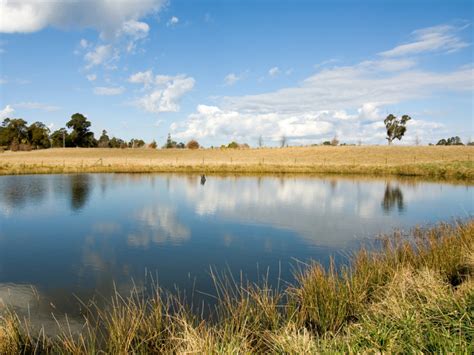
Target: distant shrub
233, 145
192, 144
153, 145
450, 141
326, 143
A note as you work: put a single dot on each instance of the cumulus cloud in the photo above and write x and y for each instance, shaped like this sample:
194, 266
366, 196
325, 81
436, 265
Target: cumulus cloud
173, 21
442, 38
103, 15
108, 91
163, 92
6, 112
346, 101
214, 122
118, 22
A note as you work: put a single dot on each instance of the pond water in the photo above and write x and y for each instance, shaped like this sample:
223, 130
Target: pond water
68, 236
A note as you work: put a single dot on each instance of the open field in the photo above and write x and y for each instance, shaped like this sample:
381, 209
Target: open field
435, 161
413, 295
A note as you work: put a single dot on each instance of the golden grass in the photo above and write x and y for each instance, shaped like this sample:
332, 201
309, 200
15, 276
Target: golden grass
449, 162
415, 294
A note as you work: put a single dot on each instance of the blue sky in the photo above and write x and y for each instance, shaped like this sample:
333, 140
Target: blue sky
219, 71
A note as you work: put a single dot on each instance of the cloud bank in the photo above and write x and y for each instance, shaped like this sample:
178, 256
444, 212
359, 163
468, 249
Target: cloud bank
107, 17
344, 101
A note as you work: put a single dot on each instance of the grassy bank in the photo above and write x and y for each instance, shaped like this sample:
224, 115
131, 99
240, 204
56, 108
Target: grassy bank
443, 162
412, 295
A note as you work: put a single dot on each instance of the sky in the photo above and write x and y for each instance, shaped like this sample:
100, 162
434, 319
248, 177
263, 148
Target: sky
219, 71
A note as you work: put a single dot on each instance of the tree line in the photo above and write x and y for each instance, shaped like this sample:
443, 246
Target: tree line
16, 134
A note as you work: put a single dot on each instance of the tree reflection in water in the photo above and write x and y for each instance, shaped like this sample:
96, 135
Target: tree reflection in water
392, 197
80, 189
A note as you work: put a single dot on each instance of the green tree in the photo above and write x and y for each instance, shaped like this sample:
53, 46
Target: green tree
117, 143
104, 140
153, 144
60, 138
169, 143
450, 141
80, 135
38, 135
14, 129
396, 128
136, 143
4, 135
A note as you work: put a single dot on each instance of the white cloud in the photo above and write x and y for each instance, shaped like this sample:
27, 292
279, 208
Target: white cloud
274, 71
116, 21
99, 55
163, 92
108, 91
146, 78
369, 111
91, 77
231, 79
134, 29
173, 21
351, 87
346, 101
37, 106
6, 112
213, 122
3, 81
103, 15
442, 38
84, 43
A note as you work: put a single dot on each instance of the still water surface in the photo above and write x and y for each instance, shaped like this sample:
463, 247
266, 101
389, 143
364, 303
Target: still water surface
77, 235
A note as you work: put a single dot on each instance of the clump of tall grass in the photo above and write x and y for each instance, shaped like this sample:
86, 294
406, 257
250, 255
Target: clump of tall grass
415, 293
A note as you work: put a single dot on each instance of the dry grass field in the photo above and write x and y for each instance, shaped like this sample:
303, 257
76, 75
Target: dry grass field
434, 161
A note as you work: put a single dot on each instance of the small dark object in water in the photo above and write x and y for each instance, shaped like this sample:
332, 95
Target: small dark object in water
203, 179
